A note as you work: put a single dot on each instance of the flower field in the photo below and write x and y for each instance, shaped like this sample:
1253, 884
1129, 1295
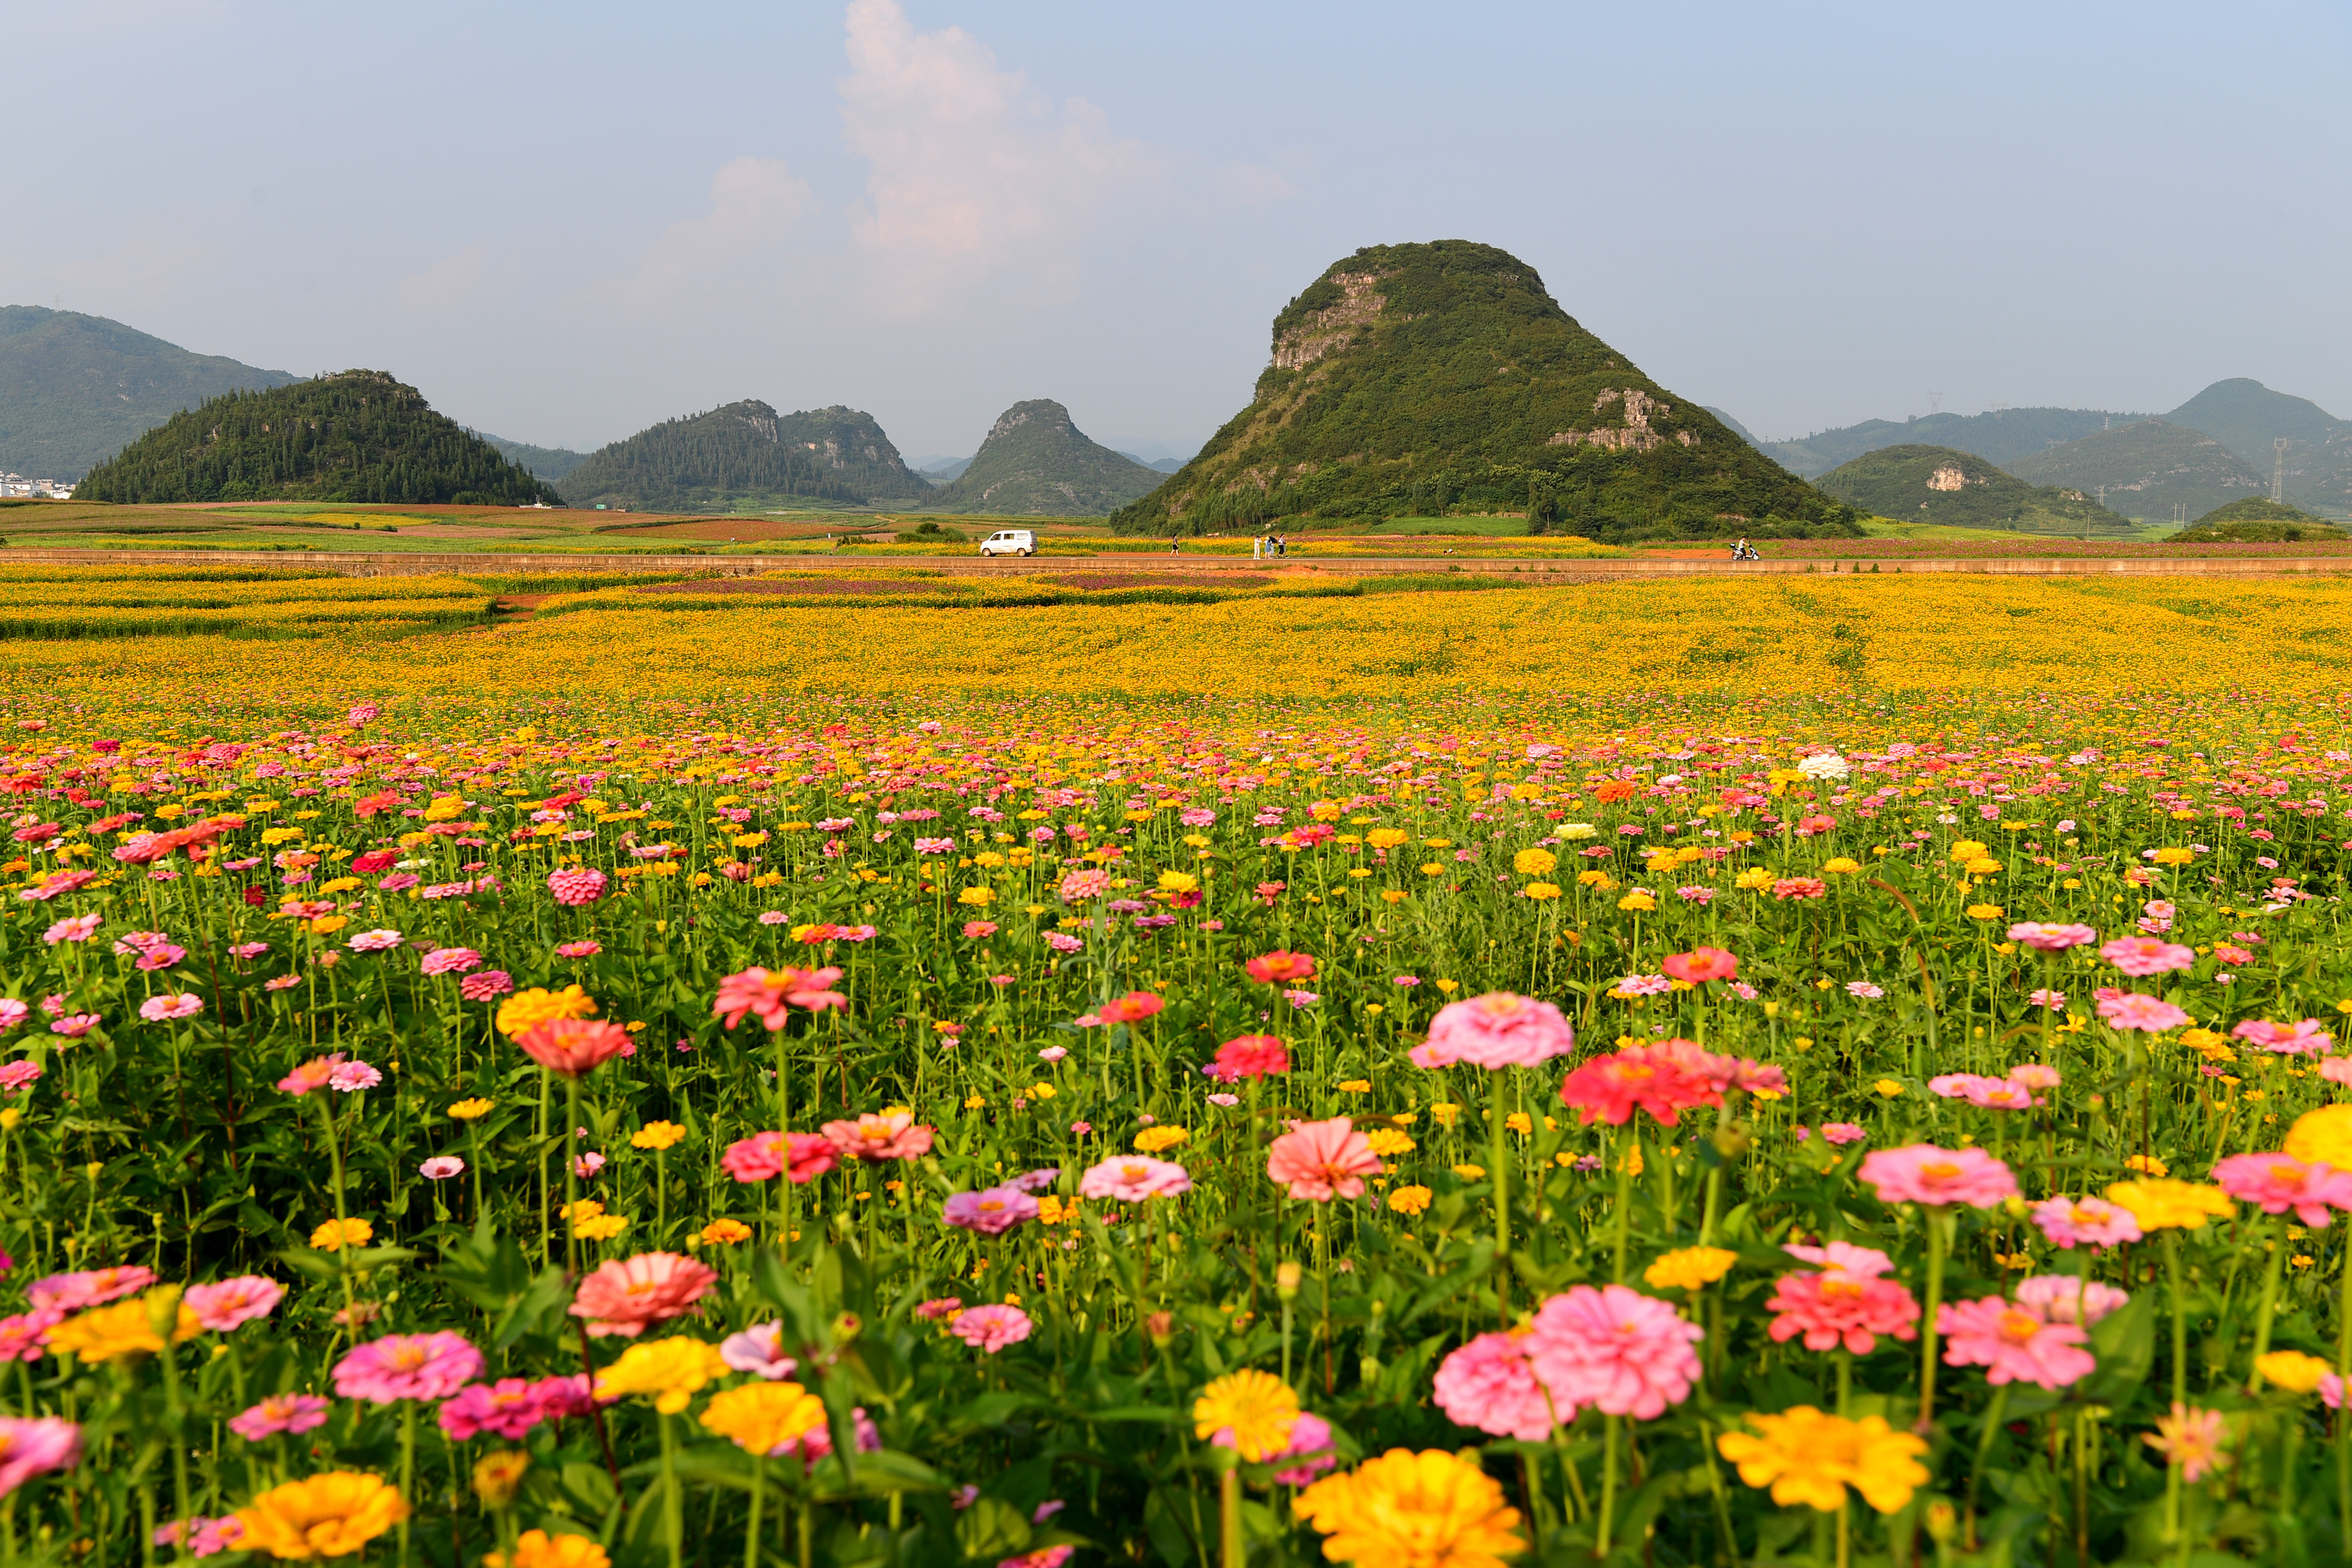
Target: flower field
1698, 1073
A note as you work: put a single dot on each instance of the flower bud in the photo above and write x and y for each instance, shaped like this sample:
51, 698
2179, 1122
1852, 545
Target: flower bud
1942, 1519
497, 1478
1286, 1276
1161, 1326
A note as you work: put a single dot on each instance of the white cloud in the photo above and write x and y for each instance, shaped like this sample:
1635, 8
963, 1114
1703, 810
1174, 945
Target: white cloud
972, 174
1254, 184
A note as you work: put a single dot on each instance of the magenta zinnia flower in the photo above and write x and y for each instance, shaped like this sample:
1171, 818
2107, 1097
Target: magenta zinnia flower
1490, 1385
35, 1446
408, 1366
2308, 1037
2013, 1344
991, 1211
279, 1413
2143, 955
223, 1306
2281, 1181
1496, 1030
1629, 1353
990, 1328
1924, 1174
510, 1407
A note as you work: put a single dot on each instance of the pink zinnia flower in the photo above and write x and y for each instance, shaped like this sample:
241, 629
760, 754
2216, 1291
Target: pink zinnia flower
2013, 1344
1842, 1308
34, 1446
510, 1407
1133, 1178
579, 949
990, 1328
17, 1075
2062, 1299
223, 1306
441, 1167
569, 1047
991, 1211
487, 986
205, 1537
758, 1158
2281, 1181
1323, 1159
2192, 1438
1701, 964
769, 995
374, 942
2045, 938
2151, 1015
978, 930
2086, 1222
1666, 1084
2308, 1037
24, 1336
74, 1025
349, 1078
1490, 1385
408, 1366
450, 960
88, 1287
2144, 955
576, 886
279, 1413
2034, 1075
1629, 1353
170, 1005
1496, 1030
625, 1297
1924, 1174
73, 927
1843, 1133
759, 1349
876, 1138
1309, 1452
1247, 1056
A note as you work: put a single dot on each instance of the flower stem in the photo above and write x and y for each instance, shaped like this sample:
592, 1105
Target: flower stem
1624, 1205
2180, 1318
1498, 1155
1608, 1485
1233, 1553
758, 1491
673, 1502
1927, 1318
2270, 1302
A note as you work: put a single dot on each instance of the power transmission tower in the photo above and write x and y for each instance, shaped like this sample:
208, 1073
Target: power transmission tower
1934, 402
2278, 469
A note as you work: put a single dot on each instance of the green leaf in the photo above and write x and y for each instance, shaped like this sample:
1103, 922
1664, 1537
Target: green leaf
992, 1528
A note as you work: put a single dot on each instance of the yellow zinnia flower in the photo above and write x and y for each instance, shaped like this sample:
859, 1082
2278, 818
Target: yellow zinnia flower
2161, 1204
1535, 862
656, 1135
1405, 1510
2293, 1370
2323, 1137
527, 1009
1258, 1408
673, 1371
1152, 1140
1409, 1200
472, 1110
1689, 1267
761, 1417
329, 1515
723, 1233
537, 1549
1388, 1143
126, 1328
1810, 1458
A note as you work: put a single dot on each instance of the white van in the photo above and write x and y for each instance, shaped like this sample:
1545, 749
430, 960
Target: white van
1010, 541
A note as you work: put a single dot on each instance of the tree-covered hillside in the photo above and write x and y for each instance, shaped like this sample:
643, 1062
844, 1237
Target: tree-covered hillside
1036, 460
1944, 485
2003, 437
359, 436
745, 457
2154, 470
75, 389
1410, 378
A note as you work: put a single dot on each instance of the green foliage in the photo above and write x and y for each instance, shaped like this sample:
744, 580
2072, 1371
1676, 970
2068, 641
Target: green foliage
732, 458
74, 388
2002, 436
2257, 531
2259, 509
930, 533
2149, 468
357, 436
549, 463
1037, 462
1411, 379
1942, 484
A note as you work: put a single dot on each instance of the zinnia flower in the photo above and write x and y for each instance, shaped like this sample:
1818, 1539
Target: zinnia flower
2150, 1015
1610, 1089
1702, 964
759, 1350
1924, 1174
1403, 1509
2086, 1222
2064, 1299
408, 1366
1491, 1385
329, 1515
991, 1211
990, 1328
2323, 1136
569, 1047
624, 1297
1247, 1056
223, 1306
2143, 955
2013, 1344
1249, 1411
765, 1418
673, 1371
537, 1549
1496, 1030
35, 1445
2162, 1204
1629, 1353
2281, 1181
878, 1138
279, 1413
1323, 1159
1281, 968
1807, 1457
2191, 1438
1132, 1178
2045, 938
769, 995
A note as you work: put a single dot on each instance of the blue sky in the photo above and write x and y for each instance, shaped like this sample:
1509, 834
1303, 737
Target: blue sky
565, 222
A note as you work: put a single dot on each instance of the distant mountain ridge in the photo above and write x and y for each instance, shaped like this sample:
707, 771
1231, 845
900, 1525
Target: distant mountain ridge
1962, 489
359, 436
1036, 460
549, 463
2001, 437
745, 455
2246, 416
2153, 469
75, 388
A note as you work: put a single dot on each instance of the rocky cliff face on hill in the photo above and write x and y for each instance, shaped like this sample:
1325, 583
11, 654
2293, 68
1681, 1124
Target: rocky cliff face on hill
1411, 378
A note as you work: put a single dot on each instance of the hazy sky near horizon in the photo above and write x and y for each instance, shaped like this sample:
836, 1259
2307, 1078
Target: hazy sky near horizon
566, 222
